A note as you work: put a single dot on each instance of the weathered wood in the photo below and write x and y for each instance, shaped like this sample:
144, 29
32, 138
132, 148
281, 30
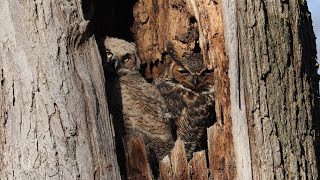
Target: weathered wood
165, 169
158, 22
222, 141
179, 161
137, 159
212, 30
221, 164
54, 118
238, 108
198, 166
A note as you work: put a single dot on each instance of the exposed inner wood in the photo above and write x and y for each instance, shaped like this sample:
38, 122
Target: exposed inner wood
137, 160
191, 25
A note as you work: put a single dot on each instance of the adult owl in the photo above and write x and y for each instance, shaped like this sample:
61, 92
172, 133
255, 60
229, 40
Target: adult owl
139, 103
187, 86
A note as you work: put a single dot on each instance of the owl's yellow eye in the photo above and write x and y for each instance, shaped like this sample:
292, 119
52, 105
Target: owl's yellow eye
109, 55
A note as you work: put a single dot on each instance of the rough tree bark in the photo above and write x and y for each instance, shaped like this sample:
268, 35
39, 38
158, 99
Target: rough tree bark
274, 88
54, 118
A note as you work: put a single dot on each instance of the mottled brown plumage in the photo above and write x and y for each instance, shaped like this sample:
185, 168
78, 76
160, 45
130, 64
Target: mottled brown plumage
187, 86
144, 110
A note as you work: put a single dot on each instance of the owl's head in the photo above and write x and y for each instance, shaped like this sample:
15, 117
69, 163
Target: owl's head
122, 54
189, 71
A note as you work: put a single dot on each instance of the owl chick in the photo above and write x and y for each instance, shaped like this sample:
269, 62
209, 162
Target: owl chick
187, 87
144, 110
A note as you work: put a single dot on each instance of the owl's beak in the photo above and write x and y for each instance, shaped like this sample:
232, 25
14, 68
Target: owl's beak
195, 81
116, 64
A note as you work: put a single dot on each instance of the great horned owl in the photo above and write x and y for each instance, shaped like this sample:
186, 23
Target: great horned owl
187, 86
144, 110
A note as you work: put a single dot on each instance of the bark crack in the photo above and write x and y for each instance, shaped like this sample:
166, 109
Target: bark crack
13, 95
2, 78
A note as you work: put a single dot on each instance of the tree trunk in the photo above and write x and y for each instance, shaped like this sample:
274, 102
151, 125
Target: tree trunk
275, 109
54, 117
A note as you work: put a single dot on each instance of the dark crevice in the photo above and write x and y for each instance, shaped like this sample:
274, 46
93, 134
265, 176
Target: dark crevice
291, 55
193, 20
13, 95
143, 69
2, 78
197, 48
151, 65
215, 2
87, 9
113, 18
156, 63
114, 100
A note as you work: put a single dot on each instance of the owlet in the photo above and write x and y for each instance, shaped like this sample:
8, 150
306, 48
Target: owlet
144, 110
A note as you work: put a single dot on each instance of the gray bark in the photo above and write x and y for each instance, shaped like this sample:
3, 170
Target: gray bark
54, 118
271, 48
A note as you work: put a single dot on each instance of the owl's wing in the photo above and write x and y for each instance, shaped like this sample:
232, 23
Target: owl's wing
143, 104
146, 112
193, 111
174, 99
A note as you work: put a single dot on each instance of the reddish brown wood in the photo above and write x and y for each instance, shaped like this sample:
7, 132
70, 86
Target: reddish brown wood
157, 22
221, 156
198, 166
137, 162
165, 169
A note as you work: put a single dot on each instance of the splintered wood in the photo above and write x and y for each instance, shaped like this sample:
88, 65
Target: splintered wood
198, 166
179, 163
137, 161
176, 168
165, 169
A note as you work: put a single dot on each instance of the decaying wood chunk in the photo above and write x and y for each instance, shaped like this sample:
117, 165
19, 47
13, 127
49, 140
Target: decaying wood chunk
198, 166
137, 161
179, 161
221, 160
165, 169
